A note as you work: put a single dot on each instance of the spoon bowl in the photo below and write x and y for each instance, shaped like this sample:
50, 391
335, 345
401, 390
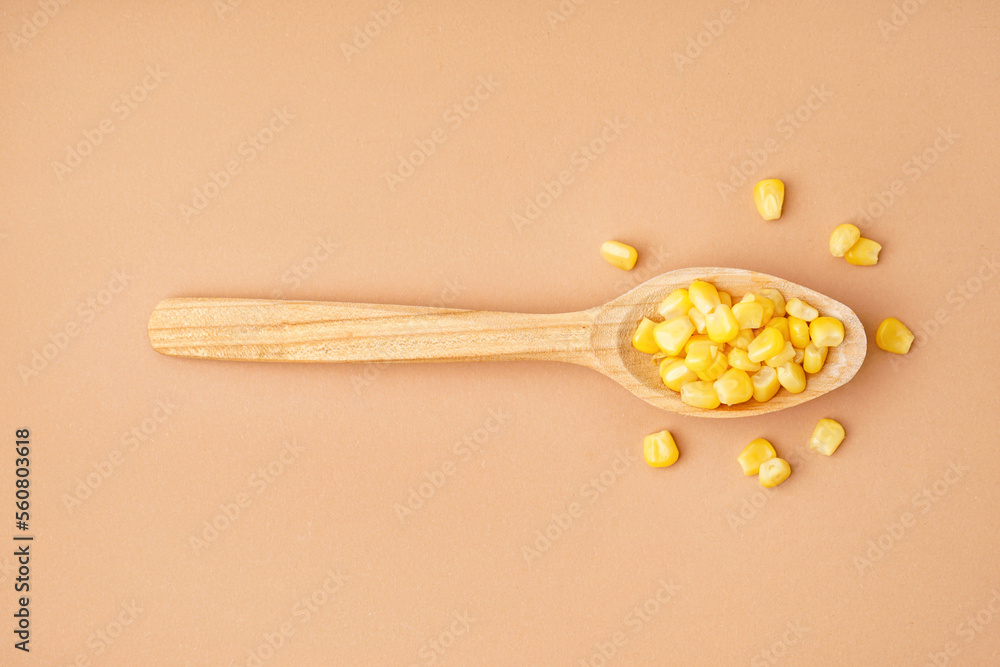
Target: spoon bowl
599, 338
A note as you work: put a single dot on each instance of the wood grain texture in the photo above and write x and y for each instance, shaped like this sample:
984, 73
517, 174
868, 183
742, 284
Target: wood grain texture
600, 338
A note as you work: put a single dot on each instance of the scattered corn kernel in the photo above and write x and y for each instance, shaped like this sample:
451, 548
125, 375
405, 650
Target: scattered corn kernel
776, 299
773, 472
701, 354
748, 314
676, 374
672, 334
800, 309
754, 454
767, 344
765, 384
715, 371
643, 340
676, 304
659, 449
787, 354
813, 358
742, 341
698, 319
792, 377
826, 437
843, 237
733, 387
826, 332
704, 296
739, 359
781, 324
726, 298
893, 336
699, 394
618, 254
721, 324
863, 253
769, 195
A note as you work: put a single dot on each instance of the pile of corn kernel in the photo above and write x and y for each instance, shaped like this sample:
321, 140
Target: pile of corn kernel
714, 351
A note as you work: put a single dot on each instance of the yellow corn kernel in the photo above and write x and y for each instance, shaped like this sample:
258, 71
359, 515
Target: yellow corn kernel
642, 339
769, 195
781, 324
894, 336
813, 358
765, 384
776, 299
677, 374
787, 354
733, 387
618, 254
698, 319
676, 304
754, 454
663, 363
739, 359
766, 304
715, 371
699, 394
826, 437
701, 355
671, 335
748, 314
726, 298
863, 253
704, 296
695, 338
721, 324
792, 377
773, 472
659, 449
799, 357
798, 331
742, 341
767, 344
826, 332
843, 237
800, 309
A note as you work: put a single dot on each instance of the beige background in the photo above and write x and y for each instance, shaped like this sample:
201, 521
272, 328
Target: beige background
879, 555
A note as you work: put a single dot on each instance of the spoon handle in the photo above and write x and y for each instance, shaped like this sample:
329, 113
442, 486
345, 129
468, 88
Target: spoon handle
266, 330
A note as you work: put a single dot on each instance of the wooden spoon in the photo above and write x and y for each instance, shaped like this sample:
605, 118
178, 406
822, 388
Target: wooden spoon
600, 338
